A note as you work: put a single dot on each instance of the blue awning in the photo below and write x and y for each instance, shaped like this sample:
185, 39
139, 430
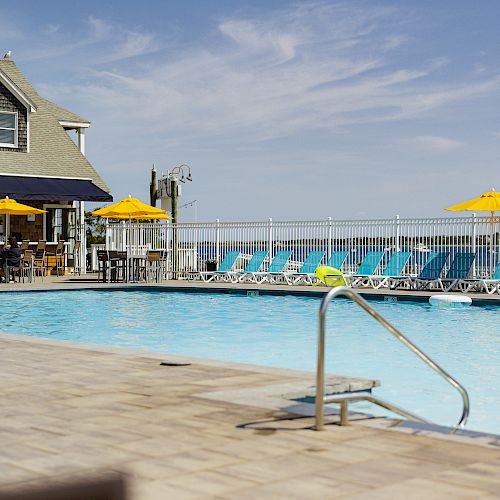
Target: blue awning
51, 189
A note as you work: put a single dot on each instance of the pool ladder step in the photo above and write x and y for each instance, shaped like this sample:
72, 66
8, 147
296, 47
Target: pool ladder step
344, 398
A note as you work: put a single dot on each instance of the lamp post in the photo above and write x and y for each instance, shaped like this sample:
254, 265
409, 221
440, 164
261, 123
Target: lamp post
173, 177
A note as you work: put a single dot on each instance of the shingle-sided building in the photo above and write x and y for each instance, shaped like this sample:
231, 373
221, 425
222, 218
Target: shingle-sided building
41, 165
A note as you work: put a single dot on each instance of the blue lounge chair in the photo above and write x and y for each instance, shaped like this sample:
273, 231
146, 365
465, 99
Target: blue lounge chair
430, 272
393, 269
492, 284
276, 268
224, 268
253, 266
307, 270
367, 268
337, 259
460, 269
488, 285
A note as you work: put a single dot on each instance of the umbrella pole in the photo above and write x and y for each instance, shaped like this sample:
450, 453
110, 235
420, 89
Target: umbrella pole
7, 226
492, 244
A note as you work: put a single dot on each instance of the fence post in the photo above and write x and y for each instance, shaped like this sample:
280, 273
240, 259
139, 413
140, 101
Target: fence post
330, 242
270, 239
473, 246
107, 235
398, 235
217, 241
126, 236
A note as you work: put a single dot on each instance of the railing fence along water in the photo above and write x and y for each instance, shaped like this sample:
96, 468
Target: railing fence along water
199, 244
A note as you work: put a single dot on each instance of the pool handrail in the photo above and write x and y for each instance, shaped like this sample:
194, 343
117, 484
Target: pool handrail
320, 368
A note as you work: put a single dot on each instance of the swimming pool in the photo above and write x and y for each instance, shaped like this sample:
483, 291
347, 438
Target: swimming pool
281, 331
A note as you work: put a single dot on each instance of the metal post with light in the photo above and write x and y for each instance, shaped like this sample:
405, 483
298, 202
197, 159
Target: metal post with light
169, 190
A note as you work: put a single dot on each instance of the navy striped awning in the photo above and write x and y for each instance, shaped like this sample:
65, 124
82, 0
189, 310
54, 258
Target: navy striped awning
48, 188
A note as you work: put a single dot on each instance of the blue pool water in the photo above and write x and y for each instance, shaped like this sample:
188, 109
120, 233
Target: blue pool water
281, 331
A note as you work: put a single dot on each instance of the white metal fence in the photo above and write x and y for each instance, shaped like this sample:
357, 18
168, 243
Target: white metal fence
198, 244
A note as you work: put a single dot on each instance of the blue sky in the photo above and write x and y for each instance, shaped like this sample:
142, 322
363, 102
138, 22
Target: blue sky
290, 110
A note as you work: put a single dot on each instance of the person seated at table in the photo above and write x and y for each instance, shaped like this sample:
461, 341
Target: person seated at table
11, 256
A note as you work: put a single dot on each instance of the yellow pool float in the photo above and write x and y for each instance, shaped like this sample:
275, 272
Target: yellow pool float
323, 271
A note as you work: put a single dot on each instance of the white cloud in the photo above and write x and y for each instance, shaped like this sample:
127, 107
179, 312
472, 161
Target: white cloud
134, 44
98, 28
435, 143
311, 66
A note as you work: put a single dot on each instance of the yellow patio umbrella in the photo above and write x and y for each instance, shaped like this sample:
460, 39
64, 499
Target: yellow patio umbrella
12, 207
9, 207
131, 208
487, 202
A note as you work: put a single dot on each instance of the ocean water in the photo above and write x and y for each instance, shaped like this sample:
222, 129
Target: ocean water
281, 331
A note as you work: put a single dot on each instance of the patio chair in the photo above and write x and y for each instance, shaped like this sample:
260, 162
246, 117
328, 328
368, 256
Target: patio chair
488, 285
393, 269
152, 267
39, 263
276, 268
117, 265
10, 272
253, 266
25, 245
227, 264
337, 259
366, 269
26, 270
102, 265
306, 272
430, 272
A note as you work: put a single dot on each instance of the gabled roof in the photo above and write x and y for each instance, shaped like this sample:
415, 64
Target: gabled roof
52, 152
17, 92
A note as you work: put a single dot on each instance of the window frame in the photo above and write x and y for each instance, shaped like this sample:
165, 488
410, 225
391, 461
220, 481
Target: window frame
16, 130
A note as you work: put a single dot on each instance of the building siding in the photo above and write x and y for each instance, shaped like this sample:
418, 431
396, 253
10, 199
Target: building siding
9, 103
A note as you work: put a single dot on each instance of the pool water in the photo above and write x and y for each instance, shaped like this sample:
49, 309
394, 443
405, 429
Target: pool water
281, 331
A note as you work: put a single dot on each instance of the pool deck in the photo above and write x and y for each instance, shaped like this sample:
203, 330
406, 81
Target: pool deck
208, 430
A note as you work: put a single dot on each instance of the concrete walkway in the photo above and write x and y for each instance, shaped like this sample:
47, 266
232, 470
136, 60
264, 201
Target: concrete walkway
69, 411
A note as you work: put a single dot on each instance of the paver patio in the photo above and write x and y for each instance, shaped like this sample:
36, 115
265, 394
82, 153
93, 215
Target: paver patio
69, 412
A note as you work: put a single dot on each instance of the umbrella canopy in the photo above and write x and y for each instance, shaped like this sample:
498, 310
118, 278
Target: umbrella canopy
131, 208
9, 206
487, 202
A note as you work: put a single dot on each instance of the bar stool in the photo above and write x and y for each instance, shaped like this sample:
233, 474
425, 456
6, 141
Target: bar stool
77, 263
59, 256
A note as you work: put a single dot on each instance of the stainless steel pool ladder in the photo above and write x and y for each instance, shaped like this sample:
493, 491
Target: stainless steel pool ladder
343, 398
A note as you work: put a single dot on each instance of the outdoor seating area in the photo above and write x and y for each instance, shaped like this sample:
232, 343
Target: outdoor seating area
38, 260
132, 267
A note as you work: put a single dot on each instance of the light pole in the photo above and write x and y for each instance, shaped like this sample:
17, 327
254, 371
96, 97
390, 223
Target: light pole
173, 177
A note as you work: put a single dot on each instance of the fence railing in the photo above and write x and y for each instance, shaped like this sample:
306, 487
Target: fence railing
197, 244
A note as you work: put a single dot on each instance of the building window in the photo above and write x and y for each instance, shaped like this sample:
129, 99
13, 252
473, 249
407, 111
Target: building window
55, 224
8, 129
